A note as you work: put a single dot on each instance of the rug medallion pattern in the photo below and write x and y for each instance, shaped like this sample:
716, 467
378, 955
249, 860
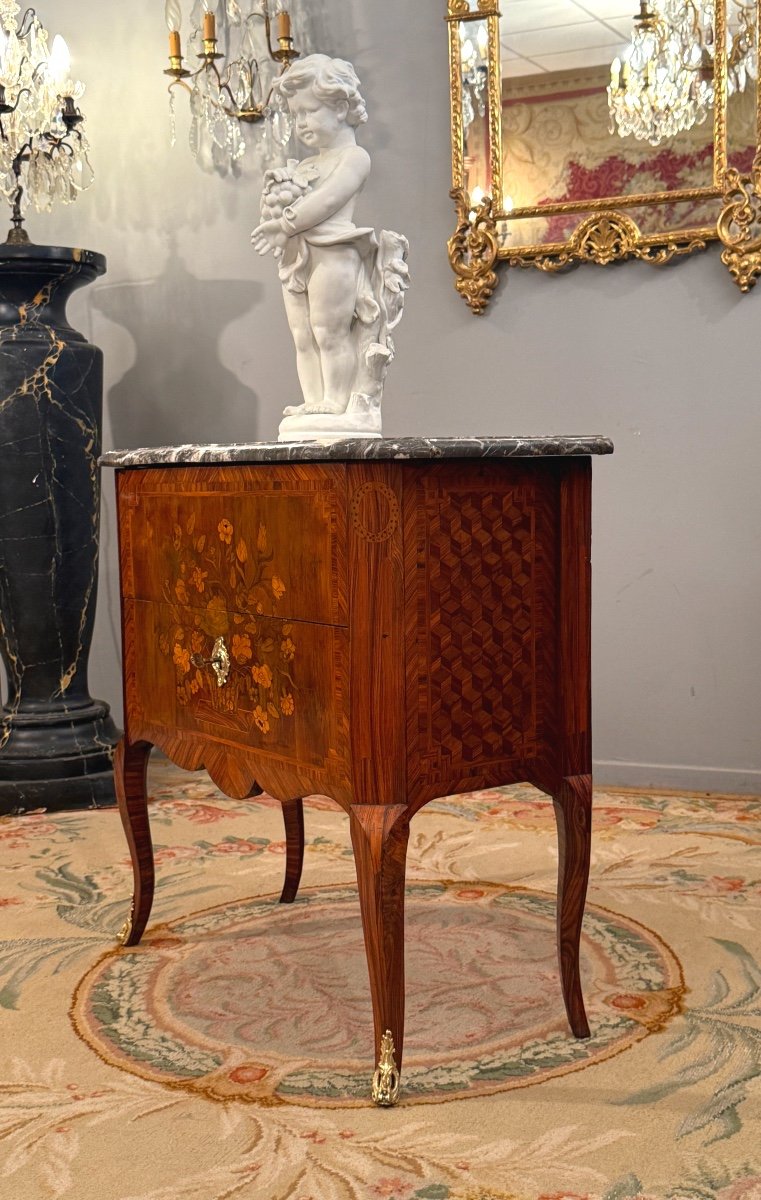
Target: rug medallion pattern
227, 1058
250, 1002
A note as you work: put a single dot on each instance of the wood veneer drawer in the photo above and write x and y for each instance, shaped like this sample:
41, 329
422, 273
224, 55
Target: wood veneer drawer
285, 698
258, 540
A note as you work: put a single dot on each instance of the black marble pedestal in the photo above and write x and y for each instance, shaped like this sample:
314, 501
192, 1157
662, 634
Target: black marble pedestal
56, 742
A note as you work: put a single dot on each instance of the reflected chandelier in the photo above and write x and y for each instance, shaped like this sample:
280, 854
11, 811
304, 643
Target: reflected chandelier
43, 151
664, 81
228, 71
475, 72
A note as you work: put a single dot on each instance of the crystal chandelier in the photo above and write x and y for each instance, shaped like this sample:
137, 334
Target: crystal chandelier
655, 89
696, 23
743, 48
475, 72
664, 81
229, 72
43, 151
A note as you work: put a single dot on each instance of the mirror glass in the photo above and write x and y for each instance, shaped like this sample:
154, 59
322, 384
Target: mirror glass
594, 107
475, 101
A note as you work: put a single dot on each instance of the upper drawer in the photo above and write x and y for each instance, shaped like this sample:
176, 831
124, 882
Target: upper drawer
263, 540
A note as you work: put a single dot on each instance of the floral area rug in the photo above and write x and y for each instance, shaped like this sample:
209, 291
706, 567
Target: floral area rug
229, 1056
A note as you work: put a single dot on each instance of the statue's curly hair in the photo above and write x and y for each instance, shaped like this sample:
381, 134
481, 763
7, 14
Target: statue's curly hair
332, 79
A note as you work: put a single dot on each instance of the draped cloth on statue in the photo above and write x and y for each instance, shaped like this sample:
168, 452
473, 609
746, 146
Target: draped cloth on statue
295, 264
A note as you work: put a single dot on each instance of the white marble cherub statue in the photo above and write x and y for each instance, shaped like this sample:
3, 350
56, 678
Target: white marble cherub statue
343, 286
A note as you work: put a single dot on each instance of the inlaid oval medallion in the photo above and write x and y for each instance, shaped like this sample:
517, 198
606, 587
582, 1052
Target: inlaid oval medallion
375, 512
255, 1001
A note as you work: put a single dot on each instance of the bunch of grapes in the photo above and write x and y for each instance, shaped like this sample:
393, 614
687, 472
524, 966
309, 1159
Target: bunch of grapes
282, 189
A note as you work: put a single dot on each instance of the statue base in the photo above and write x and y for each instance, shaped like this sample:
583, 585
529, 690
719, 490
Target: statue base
362, 419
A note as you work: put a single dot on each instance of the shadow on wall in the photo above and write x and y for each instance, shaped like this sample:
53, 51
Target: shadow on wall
177, 385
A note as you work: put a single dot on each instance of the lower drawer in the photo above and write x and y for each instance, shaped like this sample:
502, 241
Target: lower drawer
285, 697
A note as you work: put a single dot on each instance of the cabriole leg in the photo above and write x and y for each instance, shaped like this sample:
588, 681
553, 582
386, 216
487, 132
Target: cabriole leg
293, 819
573, 814
130, 771
379, 835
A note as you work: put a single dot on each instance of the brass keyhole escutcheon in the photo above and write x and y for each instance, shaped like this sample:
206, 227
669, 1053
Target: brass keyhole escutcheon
219, 661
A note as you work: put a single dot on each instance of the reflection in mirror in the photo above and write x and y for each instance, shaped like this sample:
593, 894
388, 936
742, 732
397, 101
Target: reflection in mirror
474, 50
600, 104
585, 132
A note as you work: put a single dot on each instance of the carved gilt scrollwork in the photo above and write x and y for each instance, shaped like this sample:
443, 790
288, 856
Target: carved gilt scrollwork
459, 10
606, 238
725, 205
473, 250
739, 225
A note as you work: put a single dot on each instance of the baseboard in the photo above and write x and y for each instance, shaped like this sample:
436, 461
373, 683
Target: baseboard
674, 776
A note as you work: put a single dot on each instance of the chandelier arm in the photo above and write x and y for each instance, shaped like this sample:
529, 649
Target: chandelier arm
264, 15
268, 29
24, 60
24, 28
23, 92
236, 111
225, 76
59, 143
181, 83
223, 86
23, 154
741, 45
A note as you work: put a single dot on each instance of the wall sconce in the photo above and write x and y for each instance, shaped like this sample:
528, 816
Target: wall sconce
232, 89
43, 152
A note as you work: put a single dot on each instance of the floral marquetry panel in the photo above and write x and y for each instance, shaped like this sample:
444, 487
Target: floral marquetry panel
282, 696
206, 543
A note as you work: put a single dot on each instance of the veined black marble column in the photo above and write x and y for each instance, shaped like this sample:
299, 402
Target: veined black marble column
56, 742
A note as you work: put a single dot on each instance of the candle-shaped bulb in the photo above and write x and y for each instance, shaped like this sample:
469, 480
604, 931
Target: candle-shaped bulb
283, 24
173, 14
209, 26
482, 38
175, 45
59, 62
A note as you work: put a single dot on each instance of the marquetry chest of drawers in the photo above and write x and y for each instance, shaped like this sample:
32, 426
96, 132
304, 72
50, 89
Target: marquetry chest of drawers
378, 622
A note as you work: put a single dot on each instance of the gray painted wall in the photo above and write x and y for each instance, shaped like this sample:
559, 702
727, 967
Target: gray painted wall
197, 349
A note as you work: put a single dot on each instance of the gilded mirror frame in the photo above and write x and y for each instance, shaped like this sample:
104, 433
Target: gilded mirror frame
606, 233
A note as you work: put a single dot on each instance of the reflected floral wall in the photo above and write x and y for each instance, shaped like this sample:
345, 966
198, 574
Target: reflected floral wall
557, 147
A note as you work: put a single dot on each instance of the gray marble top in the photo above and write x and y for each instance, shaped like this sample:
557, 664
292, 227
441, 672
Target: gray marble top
362, 448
